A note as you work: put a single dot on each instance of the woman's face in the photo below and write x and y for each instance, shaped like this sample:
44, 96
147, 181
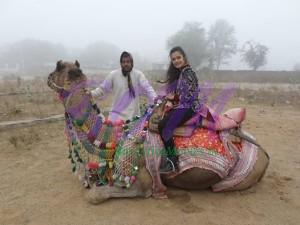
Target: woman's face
177, 60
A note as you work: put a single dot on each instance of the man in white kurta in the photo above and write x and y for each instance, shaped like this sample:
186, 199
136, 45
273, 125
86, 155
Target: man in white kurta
125, 90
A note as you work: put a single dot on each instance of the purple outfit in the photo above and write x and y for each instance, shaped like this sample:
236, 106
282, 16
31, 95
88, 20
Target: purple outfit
188, 90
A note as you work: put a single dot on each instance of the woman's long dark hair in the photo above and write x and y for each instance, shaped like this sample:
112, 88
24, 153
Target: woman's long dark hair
173, 73
129, 81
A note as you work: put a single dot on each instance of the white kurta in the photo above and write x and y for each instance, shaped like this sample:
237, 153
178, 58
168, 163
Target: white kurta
124, 106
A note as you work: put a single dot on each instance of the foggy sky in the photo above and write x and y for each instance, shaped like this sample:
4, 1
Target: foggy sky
143, 26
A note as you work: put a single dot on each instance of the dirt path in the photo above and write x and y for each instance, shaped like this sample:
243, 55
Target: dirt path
37, 187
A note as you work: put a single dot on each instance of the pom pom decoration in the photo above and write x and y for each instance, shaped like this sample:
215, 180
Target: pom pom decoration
119, 122
132, 179
92, 166
110, 145
127, 180
102, 145
102, 163
113, 145
136, 117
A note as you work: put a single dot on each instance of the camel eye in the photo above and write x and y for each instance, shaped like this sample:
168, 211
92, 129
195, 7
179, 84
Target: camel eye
74, 74
60, 68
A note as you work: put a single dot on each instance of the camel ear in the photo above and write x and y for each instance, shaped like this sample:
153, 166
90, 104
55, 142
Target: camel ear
59, 65
77, 64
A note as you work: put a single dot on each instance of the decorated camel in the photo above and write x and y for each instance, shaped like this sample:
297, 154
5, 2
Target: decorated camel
122, 158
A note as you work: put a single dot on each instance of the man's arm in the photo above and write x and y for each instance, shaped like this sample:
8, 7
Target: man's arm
104, 88
147, 89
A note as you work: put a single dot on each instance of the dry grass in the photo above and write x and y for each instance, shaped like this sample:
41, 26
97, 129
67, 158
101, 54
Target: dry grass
38, 101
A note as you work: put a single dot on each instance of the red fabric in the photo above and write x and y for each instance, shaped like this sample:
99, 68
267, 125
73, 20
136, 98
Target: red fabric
204, 138
238, 145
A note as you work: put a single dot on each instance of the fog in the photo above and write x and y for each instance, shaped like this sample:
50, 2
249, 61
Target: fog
143, 27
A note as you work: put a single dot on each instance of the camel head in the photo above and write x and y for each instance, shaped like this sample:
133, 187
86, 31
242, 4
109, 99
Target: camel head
65, 76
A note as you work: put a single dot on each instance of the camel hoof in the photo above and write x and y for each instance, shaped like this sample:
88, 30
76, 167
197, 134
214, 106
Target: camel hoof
95, 196
160, 196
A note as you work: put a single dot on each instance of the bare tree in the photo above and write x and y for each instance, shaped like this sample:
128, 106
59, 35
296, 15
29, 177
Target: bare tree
254, 54
222, 43
297, 67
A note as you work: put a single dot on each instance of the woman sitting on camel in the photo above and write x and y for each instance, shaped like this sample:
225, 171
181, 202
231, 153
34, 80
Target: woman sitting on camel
182, 102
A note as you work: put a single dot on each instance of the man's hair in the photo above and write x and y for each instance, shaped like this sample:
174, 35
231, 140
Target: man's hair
126, 55
129, 81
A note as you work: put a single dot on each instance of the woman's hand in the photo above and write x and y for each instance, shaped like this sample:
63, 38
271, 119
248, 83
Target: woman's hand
168, 106
170, 96
158, 100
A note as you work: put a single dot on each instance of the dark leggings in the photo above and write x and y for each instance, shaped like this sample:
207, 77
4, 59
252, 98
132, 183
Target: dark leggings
166, 127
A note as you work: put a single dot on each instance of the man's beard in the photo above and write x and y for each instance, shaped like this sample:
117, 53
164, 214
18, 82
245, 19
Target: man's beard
125, 72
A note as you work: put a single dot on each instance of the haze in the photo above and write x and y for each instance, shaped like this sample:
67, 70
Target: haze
143, 27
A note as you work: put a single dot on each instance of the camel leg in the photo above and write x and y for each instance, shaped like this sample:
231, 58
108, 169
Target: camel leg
140, 188
159, 189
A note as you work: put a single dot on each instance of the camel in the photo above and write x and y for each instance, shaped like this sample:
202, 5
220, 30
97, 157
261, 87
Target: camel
215, 154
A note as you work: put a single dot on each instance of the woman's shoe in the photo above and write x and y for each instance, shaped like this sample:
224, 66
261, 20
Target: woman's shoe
170, 165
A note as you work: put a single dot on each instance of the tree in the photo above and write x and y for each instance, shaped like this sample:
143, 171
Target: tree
192, 39
254, 54
32, 55
101, 54
222, 43
297, 67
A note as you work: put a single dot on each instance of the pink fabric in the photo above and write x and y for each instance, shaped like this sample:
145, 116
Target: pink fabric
230, 119
237, 114
242, 168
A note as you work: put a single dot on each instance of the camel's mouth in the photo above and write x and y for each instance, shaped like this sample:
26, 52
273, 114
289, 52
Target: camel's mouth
52, 84
65, 76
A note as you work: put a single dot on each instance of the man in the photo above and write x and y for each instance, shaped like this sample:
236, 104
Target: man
126, 84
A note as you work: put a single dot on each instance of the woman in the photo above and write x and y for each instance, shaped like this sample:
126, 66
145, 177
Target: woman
182, 96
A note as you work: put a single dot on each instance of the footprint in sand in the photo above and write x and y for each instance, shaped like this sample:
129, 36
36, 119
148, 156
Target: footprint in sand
279, 183
183, 201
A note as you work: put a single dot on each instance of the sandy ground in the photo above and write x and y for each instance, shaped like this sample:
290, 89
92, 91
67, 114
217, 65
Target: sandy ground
37, 186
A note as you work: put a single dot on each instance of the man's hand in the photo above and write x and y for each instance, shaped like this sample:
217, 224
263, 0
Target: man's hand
102, 117
88, 92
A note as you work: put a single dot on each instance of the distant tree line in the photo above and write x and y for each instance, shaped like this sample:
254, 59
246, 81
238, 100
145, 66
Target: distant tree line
213, 48
35, 56
31, 55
